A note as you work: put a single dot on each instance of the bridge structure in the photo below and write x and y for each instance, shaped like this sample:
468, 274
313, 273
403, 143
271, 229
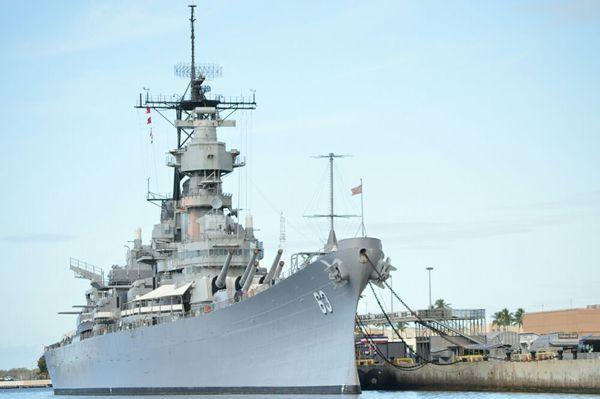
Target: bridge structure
467, 325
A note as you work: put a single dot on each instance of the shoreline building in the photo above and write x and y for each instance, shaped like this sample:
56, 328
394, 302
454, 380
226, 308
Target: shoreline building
583, 321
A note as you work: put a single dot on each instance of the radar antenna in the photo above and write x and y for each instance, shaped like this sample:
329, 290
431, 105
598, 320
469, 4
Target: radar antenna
184, 107
203, 71
192, 20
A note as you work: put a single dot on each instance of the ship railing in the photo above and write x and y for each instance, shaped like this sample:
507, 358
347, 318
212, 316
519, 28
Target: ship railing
233, 100
300, 260
150, 196
85, 266
87, 271
162, 98
155, 318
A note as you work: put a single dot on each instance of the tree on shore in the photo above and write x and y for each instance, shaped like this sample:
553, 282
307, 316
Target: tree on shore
19, 373
441, 304
401, 326
518, 317
503, 318
42, 368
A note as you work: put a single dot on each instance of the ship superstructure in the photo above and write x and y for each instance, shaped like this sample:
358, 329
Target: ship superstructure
182, 309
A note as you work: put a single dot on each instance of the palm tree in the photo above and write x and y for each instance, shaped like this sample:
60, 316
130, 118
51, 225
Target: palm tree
441, 304
401, 326
518, 317
503, 318
381, 325
496, 319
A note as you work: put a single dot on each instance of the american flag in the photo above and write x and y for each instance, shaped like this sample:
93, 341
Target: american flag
357, 190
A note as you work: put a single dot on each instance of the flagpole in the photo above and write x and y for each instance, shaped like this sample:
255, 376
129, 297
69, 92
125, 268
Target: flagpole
362, 212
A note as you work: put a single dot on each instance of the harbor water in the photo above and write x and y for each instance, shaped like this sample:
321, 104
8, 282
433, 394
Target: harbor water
47, 394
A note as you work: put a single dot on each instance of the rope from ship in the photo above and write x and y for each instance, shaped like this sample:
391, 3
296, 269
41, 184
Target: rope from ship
363, 330
424, 360
414, 367
424, 323
394, 327
420, 320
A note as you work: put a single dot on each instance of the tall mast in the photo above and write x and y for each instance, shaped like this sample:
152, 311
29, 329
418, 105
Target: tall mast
192, 37
331, 214
332, 240
185, 110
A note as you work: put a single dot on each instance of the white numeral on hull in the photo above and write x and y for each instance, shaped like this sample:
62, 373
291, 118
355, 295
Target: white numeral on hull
323, 302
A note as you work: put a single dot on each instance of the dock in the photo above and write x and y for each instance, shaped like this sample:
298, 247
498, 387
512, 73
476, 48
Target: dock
565, 376
25, 384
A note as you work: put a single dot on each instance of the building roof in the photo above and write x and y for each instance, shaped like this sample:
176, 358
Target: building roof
163, 291
580, 320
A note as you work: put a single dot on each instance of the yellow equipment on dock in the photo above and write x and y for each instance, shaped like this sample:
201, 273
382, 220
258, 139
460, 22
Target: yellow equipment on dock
365, 362
470, 358
399, 361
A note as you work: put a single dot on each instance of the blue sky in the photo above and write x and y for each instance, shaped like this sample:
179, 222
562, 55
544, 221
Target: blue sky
474, 126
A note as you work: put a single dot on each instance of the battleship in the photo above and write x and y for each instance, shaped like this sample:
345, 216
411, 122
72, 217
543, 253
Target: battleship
194, 311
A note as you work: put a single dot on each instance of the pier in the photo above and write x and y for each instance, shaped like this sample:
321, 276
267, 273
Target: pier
453, 351
566, 376
25, 384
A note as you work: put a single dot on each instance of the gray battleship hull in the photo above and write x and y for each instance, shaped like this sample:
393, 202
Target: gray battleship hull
278, 341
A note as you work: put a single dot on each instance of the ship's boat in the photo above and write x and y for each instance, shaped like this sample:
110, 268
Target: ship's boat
193, 311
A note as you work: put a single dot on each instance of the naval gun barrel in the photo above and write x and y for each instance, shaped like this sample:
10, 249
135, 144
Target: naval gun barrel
273, 268
220, 281
249, 267
279, 269
250, 277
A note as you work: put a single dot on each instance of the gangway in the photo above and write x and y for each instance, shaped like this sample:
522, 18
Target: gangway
466, 323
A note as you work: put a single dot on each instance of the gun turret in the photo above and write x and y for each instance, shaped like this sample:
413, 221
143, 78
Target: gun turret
249, 267
267, 279
250, 277
219, 282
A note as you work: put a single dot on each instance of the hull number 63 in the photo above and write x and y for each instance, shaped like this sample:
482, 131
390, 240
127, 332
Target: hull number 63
323, 302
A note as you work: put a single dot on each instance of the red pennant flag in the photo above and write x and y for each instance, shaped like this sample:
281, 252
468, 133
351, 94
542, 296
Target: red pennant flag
357, 190
147, 110
149, 121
